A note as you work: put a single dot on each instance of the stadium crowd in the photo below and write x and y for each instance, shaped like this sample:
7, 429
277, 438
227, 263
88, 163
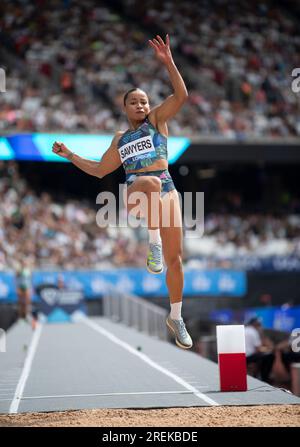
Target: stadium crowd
51, 234
237, 58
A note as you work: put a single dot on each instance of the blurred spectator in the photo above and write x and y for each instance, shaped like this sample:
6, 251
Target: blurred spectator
287, 354
259, 350
24, 290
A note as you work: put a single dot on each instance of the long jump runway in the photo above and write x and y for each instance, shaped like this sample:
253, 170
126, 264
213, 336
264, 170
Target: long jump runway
96, 363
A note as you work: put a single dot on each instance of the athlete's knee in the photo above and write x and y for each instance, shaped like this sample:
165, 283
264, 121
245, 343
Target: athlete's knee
150, 183
174, 262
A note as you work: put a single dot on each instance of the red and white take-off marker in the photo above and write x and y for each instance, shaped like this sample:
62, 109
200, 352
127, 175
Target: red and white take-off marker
232, 357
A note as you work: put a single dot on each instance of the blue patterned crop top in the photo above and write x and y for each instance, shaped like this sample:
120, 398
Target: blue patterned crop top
142, 147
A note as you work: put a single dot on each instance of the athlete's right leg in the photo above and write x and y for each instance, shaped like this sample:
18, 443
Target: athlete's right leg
151, 187
149, 208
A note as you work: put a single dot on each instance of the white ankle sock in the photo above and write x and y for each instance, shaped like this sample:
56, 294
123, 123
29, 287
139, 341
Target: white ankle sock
154, 236
176, 310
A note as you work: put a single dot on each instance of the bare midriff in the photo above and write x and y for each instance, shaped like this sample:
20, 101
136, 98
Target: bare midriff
156, 166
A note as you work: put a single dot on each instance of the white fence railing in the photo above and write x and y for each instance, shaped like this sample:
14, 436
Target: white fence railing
135, 312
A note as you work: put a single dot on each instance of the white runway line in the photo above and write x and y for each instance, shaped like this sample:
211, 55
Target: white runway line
138, 393
26, 370
147, 360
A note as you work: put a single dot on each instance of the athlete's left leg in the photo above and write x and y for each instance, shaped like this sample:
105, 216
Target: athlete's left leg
171, 235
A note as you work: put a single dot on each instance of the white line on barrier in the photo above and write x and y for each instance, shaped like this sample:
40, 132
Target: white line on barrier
26, 370
147, 360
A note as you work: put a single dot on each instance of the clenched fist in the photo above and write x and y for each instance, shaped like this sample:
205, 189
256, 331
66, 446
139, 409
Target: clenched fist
61, 150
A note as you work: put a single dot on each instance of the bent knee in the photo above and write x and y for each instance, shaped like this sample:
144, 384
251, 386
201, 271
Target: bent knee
150, 183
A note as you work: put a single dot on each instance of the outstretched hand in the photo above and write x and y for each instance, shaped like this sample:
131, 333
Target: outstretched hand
162, 49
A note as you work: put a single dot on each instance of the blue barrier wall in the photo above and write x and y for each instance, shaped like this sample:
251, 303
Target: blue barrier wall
282, 318
93, 284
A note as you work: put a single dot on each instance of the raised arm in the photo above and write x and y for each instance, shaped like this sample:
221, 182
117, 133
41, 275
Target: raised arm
170, 106
109, 162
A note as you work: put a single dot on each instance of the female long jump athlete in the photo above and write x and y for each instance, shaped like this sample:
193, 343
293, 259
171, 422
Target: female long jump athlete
142, 150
